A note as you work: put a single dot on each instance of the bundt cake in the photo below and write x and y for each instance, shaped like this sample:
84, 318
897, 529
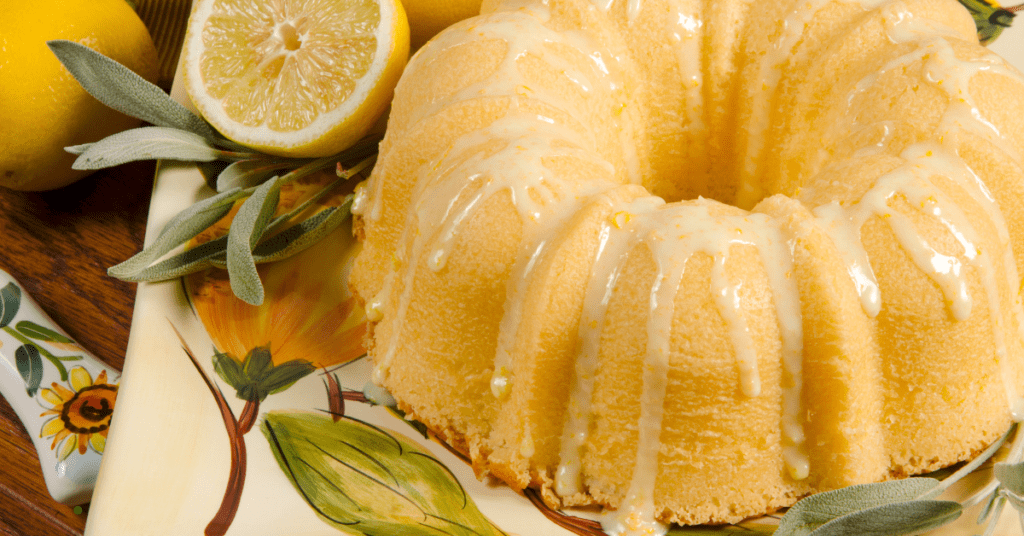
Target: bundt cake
692, 260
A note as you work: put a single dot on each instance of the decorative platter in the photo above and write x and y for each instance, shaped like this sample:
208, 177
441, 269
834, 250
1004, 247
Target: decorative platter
314, 455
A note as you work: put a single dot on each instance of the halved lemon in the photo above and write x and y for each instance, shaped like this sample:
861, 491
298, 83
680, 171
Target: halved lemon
302, 78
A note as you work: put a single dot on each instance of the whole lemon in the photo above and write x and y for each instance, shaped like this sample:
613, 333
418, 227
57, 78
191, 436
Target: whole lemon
428, 17
42, 108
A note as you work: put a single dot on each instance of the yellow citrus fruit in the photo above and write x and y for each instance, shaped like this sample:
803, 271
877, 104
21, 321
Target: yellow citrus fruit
428, 17
43, 108
298, 78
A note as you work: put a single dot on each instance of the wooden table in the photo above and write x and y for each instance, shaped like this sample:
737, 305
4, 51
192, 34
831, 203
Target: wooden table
58, 245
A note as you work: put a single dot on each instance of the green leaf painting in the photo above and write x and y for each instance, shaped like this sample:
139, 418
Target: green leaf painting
35, 331
990, 18
30, 366
10, 302
256, 376
367, 481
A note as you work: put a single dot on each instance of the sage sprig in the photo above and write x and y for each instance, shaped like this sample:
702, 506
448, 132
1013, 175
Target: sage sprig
239, 174
900, 507
119, 88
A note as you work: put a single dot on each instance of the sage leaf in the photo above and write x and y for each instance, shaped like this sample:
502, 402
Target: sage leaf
30, 366
1016, 500
144, 143
35, 331
1011, 480
119, 88
897, 519
187, 262
990, 504
248, 173
183, 227
10, 302
364, 480
301, 235
1010, 476
812, 512
246, 229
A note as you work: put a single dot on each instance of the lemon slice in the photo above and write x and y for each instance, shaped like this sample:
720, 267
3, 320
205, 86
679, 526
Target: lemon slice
301, 78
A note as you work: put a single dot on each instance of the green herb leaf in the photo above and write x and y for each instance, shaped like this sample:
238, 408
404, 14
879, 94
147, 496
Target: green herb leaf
246, 229
1015, 500
812, 512
187, 262
301, 235
30, 366
1011, 482
249, 173
118, 87
365, 480
145, 143
1010, 476
990, 505
897, 519
10, 302
182, 228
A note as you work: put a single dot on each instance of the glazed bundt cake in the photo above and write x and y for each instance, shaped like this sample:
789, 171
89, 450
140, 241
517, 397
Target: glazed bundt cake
692, 260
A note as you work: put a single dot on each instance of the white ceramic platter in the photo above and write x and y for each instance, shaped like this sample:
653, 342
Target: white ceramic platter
168, 456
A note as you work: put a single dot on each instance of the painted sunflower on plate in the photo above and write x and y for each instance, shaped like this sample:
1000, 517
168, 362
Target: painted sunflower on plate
81, 412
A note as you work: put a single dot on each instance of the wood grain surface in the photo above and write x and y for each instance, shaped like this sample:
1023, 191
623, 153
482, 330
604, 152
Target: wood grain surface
59, 244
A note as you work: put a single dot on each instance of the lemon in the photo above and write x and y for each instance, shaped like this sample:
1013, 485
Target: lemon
300, 78
43, 108
428, 17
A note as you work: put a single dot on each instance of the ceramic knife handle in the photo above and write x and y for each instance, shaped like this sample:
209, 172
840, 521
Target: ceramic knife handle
63, 394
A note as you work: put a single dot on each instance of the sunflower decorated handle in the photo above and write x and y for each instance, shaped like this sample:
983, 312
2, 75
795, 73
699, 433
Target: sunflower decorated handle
63, 394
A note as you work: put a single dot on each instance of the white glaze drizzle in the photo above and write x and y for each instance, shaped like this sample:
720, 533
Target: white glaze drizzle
458, 186
686, 31
782, 51
604, 274
674, 233
517, 167
913, 180
525, 33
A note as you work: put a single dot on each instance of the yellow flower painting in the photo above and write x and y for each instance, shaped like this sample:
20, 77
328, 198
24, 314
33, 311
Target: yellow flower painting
81, 412
308, 314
